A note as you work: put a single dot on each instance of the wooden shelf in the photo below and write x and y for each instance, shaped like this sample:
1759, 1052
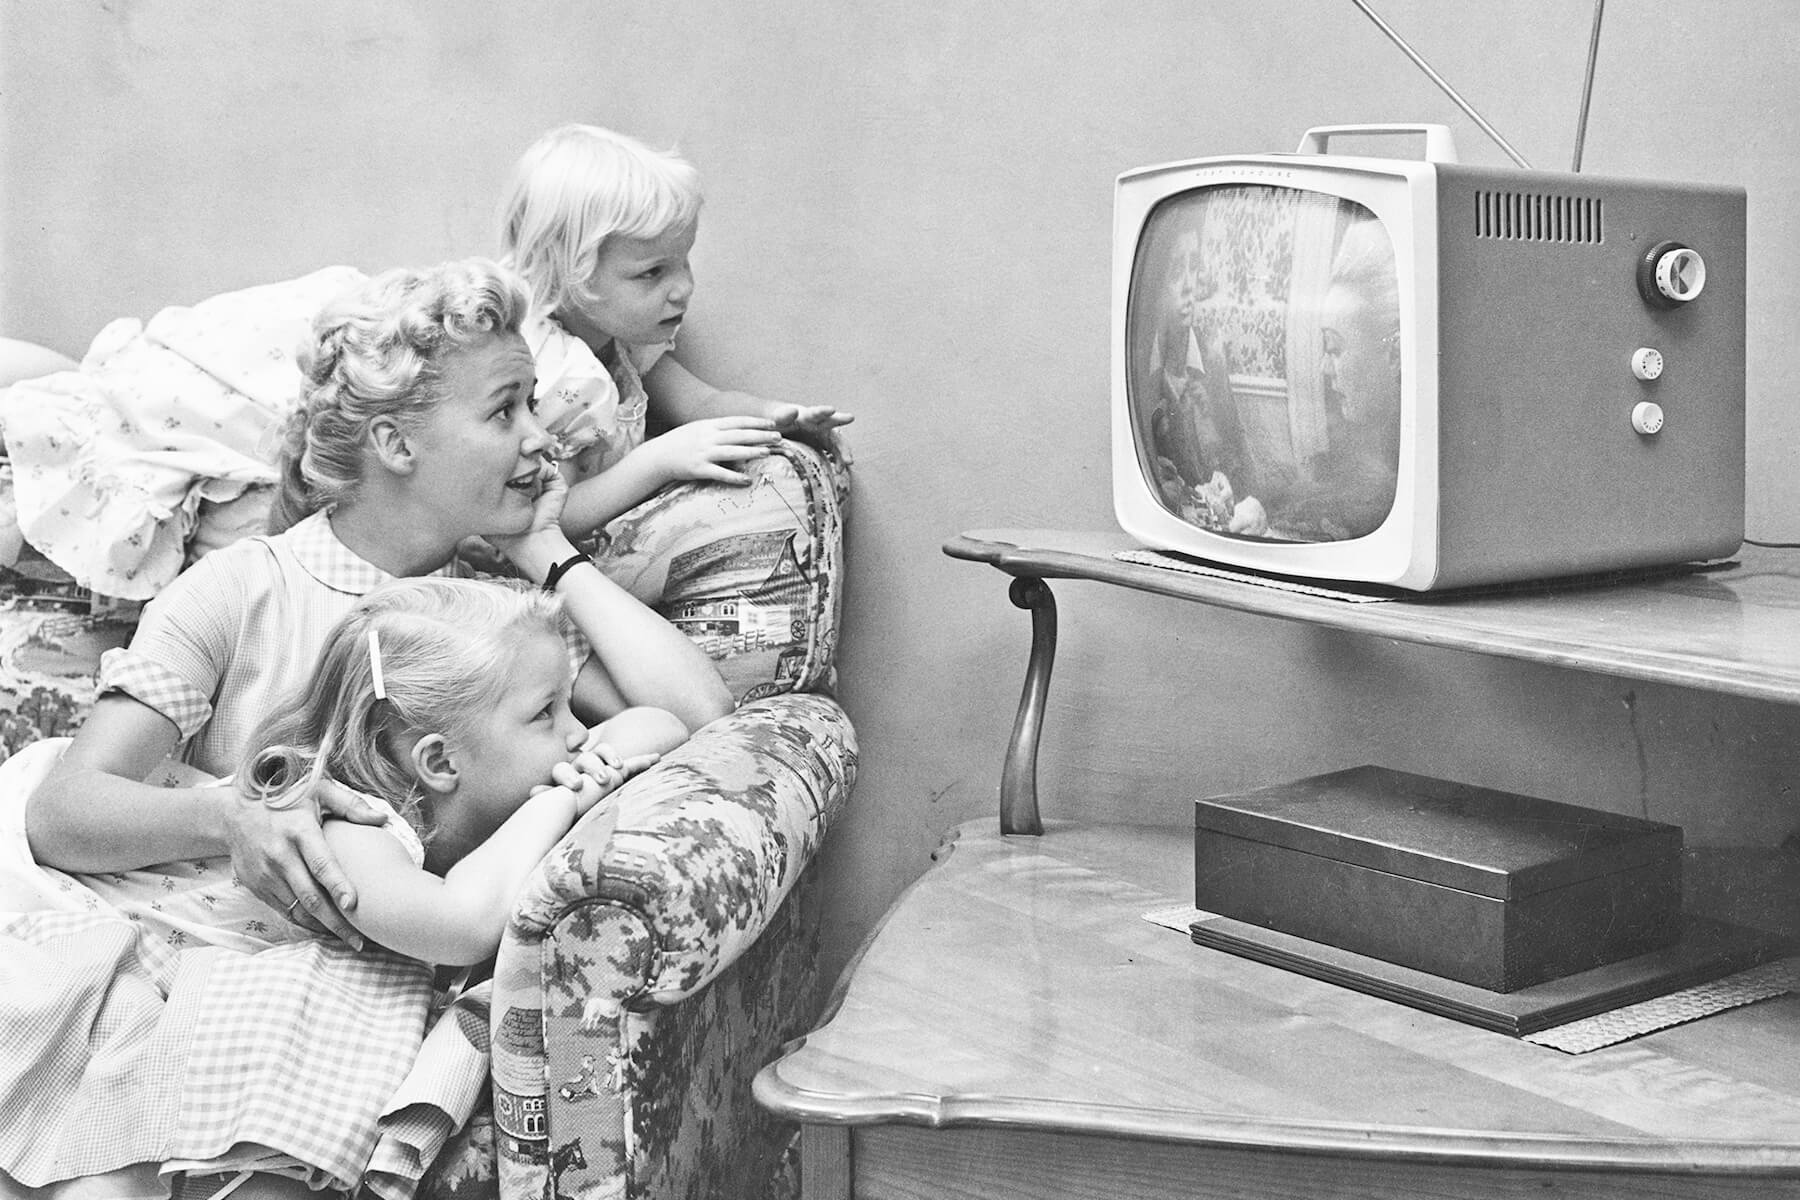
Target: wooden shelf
1732, 628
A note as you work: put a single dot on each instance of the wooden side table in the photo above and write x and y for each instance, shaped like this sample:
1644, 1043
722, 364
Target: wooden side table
1016, 1027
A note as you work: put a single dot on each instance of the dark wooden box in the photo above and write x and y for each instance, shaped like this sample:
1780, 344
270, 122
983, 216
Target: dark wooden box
1488, 888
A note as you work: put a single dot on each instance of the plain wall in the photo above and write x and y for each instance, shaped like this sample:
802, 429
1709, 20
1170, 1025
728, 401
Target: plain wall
908, 217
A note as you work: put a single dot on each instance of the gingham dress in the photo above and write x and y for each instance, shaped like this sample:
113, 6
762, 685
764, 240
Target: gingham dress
129, 1039
223, 644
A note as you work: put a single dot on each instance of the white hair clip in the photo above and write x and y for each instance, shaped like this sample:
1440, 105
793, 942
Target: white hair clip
375, 665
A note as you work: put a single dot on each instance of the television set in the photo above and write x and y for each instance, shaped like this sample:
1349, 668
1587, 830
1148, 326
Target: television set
1423, 374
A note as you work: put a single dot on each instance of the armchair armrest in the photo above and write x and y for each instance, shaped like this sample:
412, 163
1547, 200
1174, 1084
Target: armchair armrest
605, 937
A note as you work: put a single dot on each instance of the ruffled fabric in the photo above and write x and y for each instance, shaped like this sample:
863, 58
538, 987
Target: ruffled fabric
114, 464
595, 411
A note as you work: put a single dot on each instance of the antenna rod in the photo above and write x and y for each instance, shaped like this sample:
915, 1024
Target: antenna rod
1441, 82
1587, 84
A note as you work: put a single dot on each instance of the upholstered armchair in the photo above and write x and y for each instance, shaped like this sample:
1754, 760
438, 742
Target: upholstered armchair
651, 968
644, 980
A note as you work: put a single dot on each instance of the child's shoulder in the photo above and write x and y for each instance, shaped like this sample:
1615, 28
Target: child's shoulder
564, 362
394, 826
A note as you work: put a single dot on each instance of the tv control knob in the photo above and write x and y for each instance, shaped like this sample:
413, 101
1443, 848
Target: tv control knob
1671, 274
1646, 363
1647, 417
1680, 274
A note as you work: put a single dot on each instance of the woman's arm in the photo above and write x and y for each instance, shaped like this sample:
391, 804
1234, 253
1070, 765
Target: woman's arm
92, 814
644, 659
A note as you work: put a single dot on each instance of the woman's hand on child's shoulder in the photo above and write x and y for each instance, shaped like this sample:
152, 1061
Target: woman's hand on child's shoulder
710, 448
281, 856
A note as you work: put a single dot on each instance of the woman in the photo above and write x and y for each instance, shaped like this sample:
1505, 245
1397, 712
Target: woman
417, 430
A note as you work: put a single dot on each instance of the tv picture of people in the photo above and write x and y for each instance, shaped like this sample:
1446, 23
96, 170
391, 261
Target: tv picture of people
1264, 354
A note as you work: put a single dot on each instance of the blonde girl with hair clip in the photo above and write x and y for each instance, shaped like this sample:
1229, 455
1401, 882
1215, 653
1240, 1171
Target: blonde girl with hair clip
417, 430
448, 700
601, 226
445, 703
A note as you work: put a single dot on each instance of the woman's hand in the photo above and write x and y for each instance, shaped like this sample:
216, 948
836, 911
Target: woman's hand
281, 856
535, 548
708, 448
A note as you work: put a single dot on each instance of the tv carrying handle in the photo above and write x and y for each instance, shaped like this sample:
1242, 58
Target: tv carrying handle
1439, 147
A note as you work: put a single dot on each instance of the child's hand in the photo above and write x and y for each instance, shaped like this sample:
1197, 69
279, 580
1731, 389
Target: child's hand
597, 772
703, 449
816, 425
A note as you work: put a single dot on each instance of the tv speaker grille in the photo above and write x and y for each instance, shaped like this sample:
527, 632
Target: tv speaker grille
1538, 217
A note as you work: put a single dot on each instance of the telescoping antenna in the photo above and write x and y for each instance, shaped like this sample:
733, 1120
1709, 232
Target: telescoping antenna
1487, 127
1587, 84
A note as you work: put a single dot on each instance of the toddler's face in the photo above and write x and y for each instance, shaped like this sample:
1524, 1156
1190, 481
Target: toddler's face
641, 287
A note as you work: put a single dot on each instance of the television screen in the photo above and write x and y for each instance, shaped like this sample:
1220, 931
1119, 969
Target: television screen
1266, 364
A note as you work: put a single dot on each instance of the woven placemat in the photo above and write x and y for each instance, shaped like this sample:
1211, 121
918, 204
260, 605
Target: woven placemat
1627, 1021
1688, 1004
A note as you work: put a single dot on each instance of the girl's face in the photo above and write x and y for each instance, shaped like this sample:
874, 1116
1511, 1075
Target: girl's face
641, 288
478, 453
513, 746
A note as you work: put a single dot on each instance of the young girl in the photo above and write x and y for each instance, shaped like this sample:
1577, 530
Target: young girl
446, 702
601, 227
449, 699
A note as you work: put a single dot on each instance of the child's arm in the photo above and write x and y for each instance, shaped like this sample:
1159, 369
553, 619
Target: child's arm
707, 449
458, 919
677, 396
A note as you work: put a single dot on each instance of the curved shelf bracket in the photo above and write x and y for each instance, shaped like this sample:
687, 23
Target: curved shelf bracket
1018, 778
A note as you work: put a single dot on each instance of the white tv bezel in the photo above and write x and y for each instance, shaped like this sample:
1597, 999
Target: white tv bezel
1403, 550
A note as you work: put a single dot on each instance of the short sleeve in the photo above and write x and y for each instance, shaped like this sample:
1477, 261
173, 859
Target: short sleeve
397, 825
576, 396
178, 654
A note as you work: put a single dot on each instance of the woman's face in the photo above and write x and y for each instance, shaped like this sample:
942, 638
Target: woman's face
479, 452
1361, 359
641, 288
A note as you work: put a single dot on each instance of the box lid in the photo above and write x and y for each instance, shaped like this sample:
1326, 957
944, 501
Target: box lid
1475, 839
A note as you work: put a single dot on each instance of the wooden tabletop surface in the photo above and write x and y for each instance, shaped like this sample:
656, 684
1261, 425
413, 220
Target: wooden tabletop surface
1732, 628
1018, 984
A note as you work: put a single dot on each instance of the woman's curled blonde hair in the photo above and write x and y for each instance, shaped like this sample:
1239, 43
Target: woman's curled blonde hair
375, 351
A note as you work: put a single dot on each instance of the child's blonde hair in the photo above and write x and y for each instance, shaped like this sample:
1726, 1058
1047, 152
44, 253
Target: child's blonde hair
445, 648
375, 351
575, 187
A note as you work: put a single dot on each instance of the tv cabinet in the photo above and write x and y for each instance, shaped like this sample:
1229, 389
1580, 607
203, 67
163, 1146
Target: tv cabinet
1015, 1027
